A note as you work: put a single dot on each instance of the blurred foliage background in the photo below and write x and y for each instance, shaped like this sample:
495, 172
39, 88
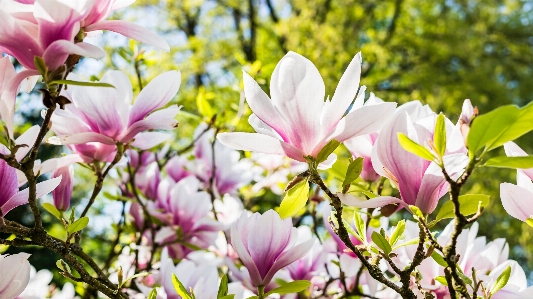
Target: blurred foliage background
437, 51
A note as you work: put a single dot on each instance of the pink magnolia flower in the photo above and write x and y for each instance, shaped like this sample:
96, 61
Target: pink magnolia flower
516, 199
15, 273
312, 263
176, 168
106, 115
297, 122
361, 146
420, 182
265, 244
10, 196
63, 193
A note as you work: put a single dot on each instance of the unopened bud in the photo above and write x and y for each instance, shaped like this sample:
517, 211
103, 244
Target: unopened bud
63, 193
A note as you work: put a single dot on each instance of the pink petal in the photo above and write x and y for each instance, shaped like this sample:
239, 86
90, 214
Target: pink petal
56, 54
155, 95
343, 96
245, 257
297, 90
15, 274
81, 138
9, 96
147, 140
7, 71
516, 201
260, 143
13, 33
263, 107
377, 202
28, 138
289, 257
163, 119
21, 197
432, 188
132, 31
513, 150
59, 19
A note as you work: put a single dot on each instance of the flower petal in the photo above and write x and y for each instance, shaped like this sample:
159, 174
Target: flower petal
81, 138
432, 188
289, 257
28, 138
343, 96
155, 95
147, 140
516, 201
133, 31
245, 257
15, 274
260, 143
163, 119
21, 197
297, 90
513, 150
56, 54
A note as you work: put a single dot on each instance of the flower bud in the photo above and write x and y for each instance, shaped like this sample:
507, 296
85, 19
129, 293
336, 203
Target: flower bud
63, 193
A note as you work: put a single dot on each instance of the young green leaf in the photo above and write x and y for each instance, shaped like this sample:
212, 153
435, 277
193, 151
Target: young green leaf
52, 210
80, 83
351, 231
369, 194
381, 242
439, 137
231, 296
153, 294
294, 200
469, 205
529, 221
501, 281
41, 66
416, 211
180, 288
203, 105
78, 225
397, 233
442, 280
135, 276
290, 287
353, 172
223, 288
414, 148
407, 243
510, 162
327, 150
360, 225
439, 259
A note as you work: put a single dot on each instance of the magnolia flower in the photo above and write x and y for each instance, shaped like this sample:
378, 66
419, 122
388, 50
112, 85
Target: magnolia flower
148, 180
15, 273
265, 244
297, 122
312, 263
420, 182
38, 285
11, 197
202, 279
106, 115
516, 199
465, 119
361, 146
176, 168
63, 193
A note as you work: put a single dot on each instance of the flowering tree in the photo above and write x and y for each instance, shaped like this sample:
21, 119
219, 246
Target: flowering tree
192, 230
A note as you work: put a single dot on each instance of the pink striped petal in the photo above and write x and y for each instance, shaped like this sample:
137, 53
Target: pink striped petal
9, 96
15, 274
245, 257
377, 202
81, 138
155, 95
260, 143
56, 54
21, 197
517, 201
147, 140
133, 31
163, 119
13, 34
289, 257
432, 188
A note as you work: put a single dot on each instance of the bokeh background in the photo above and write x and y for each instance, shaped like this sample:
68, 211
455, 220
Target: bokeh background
439, 52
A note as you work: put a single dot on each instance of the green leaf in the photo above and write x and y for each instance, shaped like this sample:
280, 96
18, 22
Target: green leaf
510, 162
369, 194
397, 233
529, 221
442, 280
80, 83
410, 242
439, 259
415, 148
135, 276
360, 225
63, 266
353, 172
469, 204
180, 289
223, 288
351, 231
416, 211
381, 242
339, 168
439, 137
231, 296
294, 200
290, 287
500, 125
52, 210
153, 294
203, 105
465, 278
501, 281
40, 66
327, 150
78, 225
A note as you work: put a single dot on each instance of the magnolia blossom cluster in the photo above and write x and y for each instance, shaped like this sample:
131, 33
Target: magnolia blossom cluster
196, 221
